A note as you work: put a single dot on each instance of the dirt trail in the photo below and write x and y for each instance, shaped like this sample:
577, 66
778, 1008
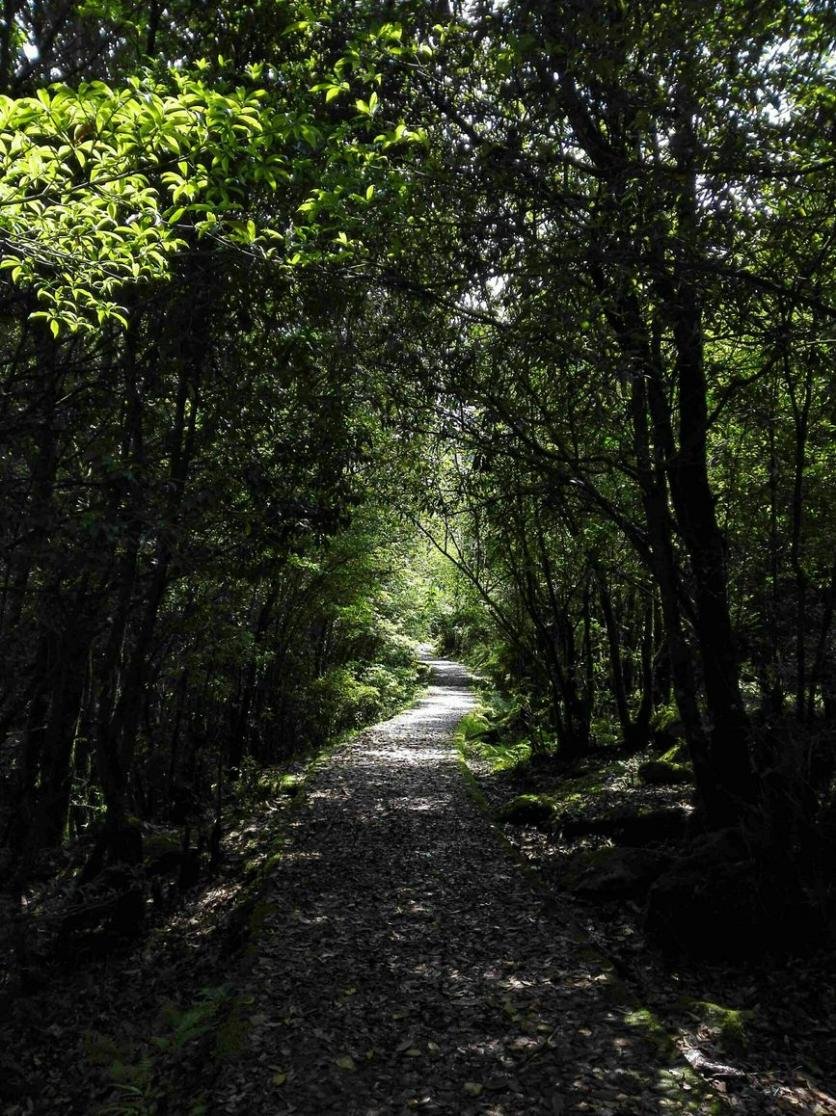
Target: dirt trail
406, 963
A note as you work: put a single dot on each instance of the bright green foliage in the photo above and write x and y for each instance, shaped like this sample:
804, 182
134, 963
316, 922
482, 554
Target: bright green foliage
101, 186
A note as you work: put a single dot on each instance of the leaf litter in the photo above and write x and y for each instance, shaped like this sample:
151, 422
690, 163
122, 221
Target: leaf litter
401, 961
469, 994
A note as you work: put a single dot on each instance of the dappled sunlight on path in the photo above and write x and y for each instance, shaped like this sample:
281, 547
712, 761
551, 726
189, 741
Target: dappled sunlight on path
407, 964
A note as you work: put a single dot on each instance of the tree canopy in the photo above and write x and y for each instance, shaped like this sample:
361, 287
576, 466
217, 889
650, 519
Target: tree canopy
298, 297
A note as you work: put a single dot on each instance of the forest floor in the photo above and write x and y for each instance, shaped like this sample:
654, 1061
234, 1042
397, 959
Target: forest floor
762, 1031
398, 957
406, 963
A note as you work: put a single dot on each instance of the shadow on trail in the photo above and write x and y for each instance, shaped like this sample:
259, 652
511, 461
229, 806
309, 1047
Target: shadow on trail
407, 964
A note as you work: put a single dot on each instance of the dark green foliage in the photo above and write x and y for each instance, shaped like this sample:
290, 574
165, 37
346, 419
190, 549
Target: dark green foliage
569, 325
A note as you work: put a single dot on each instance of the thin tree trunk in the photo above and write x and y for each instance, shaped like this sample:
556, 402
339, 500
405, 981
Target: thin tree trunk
616, 670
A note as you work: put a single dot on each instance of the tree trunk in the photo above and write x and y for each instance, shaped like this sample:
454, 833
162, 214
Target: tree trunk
616, 669
693, 502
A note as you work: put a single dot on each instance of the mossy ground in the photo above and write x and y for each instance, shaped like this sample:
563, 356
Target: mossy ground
729, 1025
730, 1014
678, 1088
134, 1067
527, 809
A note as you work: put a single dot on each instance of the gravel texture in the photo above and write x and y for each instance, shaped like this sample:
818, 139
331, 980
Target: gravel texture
405, 962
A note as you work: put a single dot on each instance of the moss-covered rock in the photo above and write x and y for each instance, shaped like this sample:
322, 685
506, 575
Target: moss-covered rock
652, 1030
729, 1024
661, 773
678, 755
159, 842
291, 785
527, 809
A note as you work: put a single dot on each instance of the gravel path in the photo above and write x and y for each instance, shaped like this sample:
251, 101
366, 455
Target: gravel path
406, 963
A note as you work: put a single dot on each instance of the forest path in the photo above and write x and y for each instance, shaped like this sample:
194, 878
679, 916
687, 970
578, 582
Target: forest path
406, 963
